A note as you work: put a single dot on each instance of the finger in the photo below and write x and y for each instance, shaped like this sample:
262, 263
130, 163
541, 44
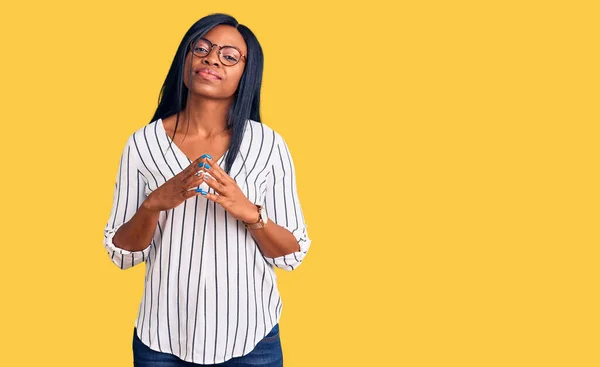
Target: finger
215, 166
193, 181
192, 169
220, 189
213, 197
211, 167
191, 193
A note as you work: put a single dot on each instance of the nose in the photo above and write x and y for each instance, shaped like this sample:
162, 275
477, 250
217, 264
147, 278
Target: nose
212, 58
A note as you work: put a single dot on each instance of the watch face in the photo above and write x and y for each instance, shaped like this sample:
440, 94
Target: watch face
263, 215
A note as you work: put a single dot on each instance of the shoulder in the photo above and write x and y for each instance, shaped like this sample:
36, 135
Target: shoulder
145, 130
142, 134
254, 127
136, 145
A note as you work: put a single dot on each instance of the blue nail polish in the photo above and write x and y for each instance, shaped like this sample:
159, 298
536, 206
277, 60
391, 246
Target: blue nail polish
203, 192
199, 190
200, 165
206, 156
207, 166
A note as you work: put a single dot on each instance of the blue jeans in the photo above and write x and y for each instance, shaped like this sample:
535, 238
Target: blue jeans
267, 353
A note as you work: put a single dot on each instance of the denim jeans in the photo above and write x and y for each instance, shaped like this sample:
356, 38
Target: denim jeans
267, 353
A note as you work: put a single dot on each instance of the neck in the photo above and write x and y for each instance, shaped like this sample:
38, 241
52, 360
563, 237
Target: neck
205, 117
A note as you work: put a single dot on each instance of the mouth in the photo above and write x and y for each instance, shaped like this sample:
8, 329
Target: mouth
208, 74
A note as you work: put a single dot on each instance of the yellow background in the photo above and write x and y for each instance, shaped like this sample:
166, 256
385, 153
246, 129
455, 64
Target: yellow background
447, 164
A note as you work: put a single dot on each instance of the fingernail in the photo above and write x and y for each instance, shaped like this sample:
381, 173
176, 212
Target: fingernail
206, 155
201, 191
200, 165
207, 166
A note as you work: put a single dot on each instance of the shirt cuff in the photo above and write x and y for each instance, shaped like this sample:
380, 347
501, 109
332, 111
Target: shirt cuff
122, 258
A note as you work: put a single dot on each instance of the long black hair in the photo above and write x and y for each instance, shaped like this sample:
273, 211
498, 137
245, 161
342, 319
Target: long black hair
246, 105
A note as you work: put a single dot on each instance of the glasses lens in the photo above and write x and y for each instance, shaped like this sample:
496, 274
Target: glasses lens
230, 56
202, 48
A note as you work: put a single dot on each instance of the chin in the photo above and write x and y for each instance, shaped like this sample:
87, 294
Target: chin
210, 94
211, 91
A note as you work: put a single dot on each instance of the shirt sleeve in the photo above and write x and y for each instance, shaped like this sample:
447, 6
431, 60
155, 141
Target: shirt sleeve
283, 205
127, 198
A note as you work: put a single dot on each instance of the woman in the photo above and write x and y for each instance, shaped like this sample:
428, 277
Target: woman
206, 196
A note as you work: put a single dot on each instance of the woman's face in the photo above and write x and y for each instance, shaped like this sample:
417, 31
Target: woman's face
225, 81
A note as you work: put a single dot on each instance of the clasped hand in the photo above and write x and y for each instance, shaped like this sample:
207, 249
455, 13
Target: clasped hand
184, 186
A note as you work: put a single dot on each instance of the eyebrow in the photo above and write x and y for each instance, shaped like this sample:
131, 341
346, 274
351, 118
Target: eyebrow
206, 39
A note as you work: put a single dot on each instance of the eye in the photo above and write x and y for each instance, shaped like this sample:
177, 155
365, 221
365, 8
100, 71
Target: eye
230, 58
200, 49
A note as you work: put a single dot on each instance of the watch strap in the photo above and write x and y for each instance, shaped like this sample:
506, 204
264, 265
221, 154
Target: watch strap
260, 223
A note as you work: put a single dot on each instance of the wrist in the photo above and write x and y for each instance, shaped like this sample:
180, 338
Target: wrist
148, 207
259, 218
252, 215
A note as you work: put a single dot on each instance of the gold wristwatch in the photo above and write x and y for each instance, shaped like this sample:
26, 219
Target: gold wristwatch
262, 219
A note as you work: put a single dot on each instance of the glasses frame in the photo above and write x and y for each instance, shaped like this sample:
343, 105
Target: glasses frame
219, 54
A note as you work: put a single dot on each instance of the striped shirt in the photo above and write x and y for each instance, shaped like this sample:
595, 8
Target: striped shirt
209, 292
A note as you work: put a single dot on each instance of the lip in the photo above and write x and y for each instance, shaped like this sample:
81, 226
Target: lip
208, 73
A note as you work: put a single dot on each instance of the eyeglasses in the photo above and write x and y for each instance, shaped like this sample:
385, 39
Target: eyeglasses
228, 55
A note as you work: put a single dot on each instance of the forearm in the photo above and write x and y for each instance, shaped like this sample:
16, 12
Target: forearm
274, 240
280, 245
136, 234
